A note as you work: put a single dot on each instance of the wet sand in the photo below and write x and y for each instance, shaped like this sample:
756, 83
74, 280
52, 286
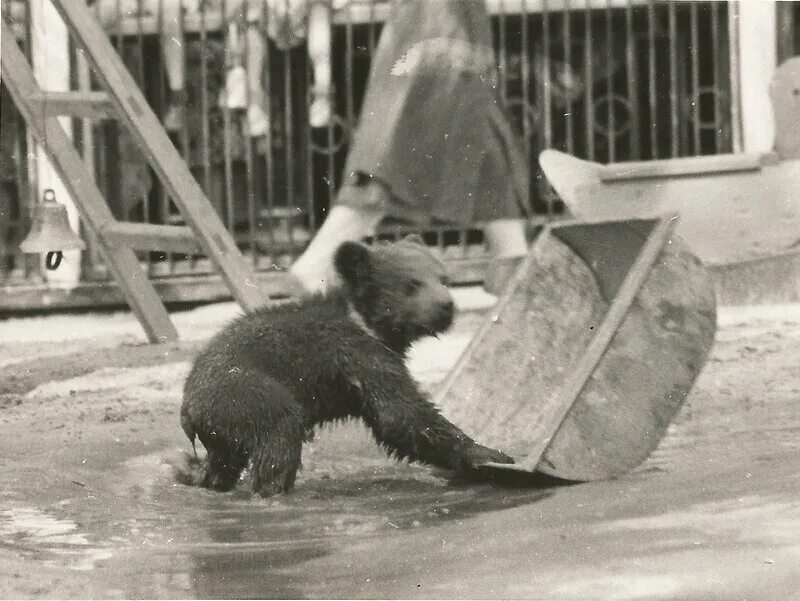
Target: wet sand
89, 506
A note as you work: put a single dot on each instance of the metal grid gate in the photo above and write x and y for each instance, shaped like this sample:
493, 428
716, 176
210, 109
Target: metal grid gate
610, 80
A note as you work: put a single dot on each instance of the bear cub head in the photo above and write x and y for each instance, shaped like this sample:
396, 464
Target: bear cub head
399, 291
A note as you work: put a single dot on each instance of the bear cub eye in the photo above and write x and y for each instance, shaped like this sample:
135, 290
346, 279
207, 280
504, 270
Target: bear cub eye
412, 287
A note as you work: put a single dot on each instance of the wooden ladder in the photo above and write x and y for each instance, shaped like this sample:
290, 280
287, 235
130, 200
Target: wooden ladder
117, 240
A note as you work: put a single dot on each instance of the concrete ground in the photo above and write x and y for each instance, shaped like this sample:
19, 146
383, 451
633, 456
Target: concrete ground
89, 506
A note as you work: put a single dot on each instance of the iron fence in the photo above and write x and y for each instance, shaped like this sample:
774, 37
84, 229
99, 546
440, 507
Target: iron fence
608, 80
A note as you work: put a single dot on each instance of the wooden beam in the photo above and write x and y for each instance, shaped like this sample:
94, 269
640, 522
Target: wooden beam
177, 290
133, 282
147, 236
705, 165
148, 132
88, 105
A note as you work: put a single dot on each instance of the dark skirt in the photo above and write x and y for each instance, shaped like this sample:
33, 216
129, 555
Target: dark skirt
432, 126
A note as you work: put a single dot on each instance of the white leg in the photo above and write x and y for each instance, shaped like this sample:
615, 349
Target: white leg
507, 244
314, 268
172, 47
257, 119
172, 44
506, 238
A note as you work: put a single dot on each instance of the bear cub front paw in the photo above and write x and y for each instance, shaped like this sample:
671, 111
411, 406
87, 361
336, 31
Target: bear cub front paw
480, 455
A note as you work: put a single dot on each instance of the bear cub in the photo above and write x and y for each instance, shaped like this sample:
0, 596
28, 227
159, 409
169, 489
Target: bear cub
258, 389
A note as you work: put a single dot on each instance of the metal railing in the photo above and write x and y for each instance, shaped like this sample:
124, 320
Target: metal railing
609, 80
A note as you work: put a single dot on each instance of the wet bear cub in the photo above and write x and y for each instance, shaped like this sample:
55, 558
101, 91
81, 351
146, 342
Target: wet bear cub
256, 392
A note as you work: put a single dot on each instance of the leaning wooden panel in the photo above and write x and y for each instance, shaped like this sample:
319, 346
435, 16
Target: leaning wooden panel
142, 123
520, 359
47, 130
645, 373
590, 352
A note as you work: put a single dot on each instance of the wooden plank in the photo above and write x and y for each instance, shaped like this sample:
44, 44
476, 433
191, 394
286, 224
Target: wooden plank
198, 287
147, 130
724, 217
178, 290
87, 105
648, 369
706, 165
136, 288
553, 414
147, 236
532, 339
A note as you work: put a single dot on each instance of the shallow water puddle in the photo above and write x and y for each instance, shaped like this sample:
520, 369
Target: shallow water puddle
36, 534
28, 523
746, 519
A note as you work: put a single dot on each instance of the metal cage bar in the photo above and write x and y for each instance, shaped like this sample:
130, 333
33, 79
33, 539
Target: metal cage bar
603, 79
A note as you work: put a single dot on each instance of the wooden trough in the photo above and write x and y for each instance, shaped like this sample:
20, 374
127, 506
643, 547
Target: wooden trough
590, 352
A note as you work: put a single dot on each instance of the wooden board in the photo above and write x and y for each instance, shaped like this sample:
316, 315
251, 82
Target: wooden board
590, 352
680, 167
521, 357
122, 262
644, 375
134, 112
148, 236
759, 209
81, 104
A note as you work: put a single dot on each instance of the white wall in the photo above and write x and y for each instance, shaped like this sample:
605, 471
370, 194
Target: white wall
757, 33
50, 50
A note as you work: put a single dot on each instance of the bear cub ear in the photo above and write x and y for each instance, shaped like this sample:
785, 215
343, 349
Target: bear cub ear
352, 261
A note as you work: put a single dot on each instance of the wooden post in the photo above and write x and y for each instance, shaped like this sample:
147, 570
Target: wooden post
148, 132
51, 66
122, 262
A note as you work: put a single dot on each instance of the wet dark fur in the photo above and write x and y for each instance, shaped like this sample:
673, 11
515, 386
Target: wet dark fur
261, 385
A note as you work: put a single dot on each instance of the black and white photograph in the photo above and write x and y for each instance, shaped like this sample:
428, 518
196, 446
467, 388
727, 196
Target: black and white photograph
400, 299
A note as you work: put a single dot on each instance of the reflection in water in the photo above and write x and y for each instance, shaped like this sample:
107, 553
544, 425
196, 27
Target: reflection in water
159, 539
249, 573
249, 544
254, 546
34, 533
28, 524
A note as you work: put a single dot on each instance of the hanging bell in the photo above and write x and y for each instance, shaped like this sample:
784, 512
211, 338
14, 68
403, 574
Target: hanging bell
50, 230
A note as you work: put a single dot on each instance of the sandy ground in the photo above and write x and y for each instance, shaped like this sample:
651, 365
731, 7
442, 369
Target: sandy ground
89, 506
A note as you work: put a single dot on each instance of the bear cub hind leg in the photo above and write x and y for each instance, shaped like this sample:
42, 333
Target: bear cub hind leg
275, 459
276, 453
244, 418
275, 463
224, 468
